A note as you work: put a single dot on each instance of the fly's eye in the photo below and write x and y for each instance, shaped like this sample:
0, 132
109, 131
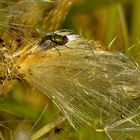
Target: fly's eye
65, 39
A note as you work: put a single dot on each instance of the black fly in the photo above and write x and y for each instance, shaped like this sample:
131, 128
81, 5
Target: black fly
58, 130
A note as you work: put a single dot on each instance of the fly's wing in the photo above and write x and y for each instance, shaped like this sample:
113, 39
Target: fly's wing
89, 87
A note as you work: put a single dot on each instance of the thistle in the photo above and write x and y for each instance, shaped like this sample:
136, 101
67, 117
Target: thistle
91, 88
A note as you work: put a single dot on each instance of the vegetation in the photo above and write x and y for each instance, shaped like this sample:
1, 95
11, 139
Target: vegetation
83, 88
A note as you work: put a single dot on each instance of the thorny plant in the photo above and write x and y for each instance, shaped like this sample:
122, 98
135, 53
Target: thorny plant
92, 88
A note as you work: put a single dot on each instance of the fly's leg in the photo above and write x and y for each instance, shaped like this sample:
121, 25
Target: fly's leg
57, 50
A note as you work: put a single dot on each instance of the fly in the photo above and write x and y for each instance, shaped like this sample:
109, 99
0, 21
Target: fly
52, 40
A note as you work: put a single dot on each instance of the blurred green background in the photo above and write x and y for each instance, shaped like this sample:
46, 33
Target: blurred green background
105, 20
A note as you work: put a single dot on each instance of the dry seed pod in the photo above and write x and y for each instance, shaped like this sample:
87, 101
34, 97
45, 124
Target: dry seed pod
88, 86
85, 84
